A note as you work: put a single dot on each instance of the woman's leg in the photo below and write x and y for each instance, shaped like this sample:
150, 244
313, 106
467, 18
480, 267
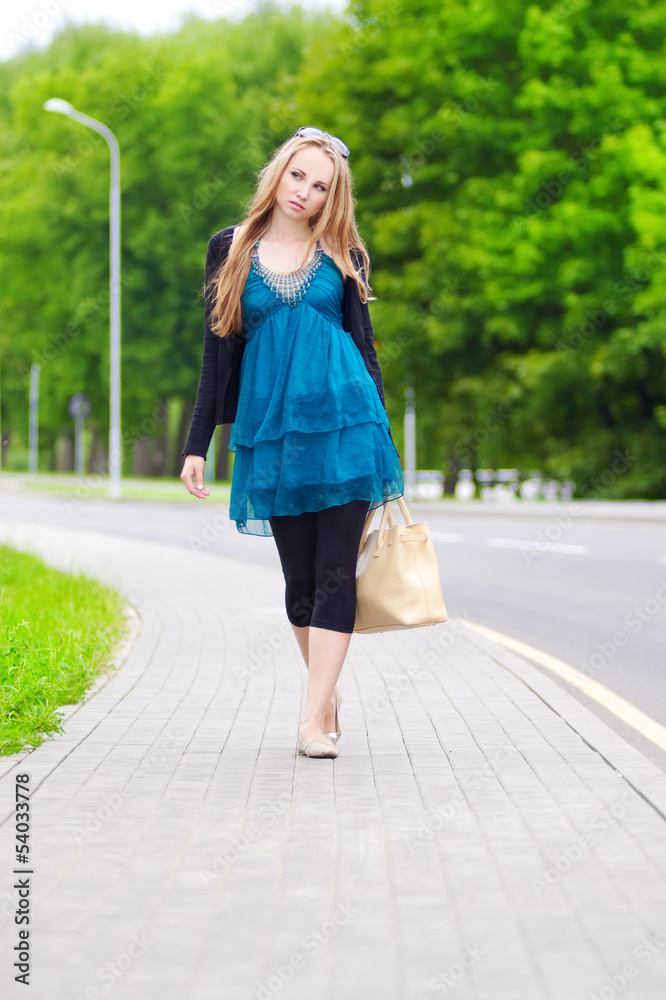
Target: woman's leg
295, 540
303, 640
339, 532
327, 651
318, 551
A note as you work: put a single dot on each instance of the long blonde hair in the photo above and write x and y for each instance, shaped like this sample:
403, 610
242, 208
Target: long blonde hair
335, 220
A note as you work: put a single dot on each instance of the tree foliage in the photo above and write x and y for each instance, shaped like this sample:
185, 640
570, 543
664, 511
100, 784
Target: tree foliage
510, 169
510, 163
191, 114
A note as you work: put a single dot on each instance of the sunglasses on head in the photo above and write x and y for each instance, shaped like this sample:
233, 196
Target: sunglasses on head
309, 131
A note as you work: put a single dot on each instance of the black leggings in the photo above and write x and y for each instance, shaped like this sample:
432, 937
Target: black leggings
318, 551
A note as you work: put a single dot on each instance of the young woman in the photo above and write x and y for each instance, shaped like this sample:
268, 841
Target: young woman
289, 359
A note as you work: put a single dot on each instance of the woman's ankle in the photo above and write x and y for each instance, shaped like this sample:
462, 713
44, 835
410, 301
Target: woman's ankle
313, 723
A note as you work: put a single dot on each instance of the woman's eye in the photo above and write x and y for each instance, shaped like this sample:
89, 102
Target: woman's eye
298, 176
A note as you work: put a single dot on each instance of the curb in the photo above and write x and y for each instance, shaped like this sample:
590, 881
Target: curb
576, 510
116, 660
647, 780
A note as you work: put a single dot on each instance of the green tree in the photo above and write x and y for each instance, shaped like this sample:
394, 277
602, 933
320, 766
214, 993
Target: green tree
510, 170
191, 112
509, 162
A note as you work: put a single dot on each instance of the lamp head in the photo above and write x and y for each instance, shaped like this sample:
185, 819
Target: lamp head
62, 107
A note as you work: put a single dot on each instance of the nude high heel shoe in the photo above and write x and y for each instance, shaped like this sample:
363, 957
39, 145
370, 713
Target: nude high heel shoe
334, 737
316, 748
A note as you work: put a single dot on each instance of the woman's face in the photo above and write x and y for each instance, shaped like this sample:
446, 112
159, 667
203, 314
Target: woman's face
305, 183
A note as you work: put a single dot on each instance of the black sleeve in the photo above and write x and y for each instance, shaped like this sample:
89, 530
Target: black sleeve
203, 418
369, 336
370, 350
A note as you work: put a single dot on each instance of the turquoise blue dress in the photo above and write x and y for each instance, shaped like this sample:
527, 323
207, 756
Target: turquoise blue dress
310, 431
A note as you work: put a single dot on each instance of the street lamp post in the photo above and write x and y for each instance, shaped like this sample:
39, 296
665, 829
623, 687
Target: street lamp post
115, 452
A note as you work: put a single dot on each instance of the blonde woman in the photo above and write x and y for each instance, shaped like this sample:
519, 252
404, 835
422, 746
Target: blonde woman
289, 360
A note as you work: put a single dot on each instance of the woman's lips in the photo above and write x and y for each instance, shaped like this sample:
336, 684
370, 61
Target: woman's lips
296, 205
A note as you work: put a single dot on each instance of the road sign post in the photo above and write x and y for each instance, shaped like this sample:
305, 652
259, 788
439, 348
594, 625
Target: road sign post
80, 407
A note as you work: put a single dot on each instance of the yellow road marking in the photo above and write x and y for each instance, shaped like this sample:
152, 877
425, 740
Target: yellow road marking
620, 707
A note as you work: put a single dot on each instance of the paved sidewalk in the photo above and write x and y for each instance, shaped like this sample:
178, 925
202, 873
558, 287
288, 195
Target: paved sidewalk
481, 836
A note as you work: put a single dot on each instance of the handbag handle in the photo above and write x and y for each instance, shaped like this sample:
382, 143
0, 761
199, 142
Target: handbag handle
386, 515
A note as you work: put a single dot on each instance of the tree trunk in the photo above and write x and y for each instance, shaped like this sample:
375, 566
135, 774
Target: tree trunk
183, 431
6, 438
222, 465
149, 456
98, 459
64, 453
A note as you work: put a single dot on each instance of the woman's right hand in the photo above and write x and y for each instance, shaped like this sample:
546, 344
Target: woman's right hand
193, 476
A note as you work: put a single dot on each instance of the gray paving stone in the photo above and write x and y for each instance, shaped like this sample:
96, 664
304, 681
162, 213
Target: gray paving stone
174, 805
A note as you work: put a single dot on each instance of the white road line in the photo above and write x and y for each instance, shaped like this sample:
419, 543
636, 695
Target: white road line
620, 707
446, 536
524, 543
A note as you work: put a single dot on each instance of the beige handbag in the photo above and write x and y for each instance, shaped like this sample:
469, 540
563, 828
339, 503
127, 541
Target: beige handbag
397, 577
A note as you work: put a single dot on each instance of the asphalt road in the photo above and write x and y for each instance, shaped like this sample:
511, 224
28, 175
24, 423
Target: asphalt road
594, 595
596, 600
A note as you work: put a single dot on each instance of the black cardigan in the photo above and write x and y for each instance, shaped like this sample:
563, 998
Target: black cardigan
217, 398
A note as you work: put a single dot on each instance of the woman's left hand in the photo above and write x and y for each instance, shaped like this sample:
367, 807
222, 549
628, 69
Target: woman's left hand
193, 476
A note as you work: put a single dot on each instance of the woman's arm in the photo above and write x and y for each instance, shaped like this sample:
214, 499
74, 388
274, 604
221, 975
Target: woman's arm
371, 352
368, 333
203, 417
369, 343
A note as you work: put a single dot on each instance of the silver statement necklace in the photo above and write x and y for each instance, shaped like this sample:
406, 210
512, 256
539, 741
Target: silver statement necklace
289, 286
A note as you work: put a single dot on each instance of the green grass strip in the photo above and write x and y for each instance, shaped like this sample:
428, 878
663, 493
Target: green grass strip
57, 632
